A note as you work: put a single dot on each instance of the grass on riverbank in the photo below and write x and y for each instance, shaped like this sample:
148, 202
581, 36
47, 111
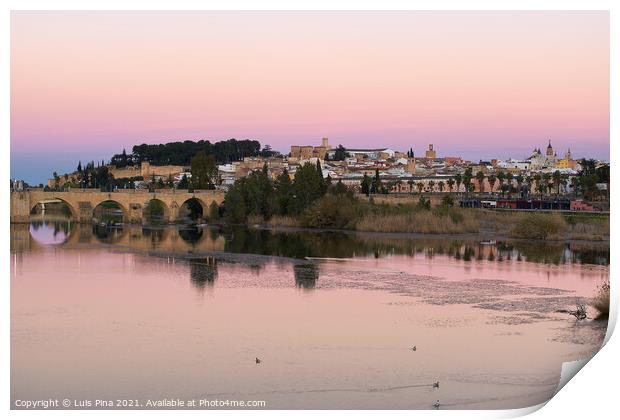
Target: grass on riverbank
347, 212
550, 226
435, 221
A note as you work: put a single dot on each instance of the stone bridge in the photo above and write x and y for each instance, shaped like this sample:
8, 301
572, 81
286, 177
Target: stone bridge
82, 202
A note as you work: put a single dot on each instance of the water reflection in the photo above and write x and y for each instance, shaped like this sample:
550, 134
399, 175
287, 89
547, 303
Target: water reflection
154, 234
107, 234
203, 271
306, 275
301, 244
50, 232
108, 303
191, 234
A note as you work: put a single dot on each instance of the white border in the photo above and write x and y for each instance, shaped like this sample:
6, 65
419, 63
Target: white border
590, 394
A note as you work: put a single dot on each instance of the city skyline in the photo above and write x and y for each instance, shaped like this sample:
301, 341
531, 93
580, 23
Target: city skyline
85, 85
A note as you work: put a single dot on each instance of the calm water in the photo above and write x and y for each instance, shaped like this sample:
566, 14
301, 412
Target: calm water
144, 313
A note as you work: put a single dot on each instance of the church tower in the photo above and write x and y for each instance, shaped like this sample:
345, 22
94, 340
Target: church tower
549, 150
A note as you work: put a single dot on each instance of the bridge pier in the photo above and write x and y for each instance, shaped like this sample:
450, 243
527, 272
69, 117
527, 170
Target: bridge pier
85, 210
20, 207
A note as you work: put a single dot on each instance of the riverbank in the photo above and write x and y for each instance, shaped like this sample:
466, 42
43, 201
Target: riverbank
449, 221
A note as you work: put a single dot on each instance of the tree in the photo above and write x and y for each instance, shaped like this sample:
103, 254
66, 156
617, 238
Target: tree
283, 192
447, 201
308, 186
268, 152
537, 179
234, 204
204, 171
420, 186
366, 184
451, 183
183, 183
557, 181
467, 177
340, 153
411, 184
501, 177
79, 167
431, 185
491, 178
250, 195
546, 180
376, 186
319, 169
340, 189
509, 178
528, 181
214, 212
564, 182
459, 179
480, 178
519, 179
441, 186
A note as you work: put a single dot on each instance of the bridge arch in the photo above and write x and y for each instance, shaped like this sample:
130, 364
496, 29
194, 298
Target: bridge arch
156, 211
108, 210
72, 209
193, 209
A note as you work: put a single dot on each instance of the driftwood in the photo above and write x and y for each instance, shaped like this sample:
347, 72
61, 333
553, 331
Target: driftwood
580, 312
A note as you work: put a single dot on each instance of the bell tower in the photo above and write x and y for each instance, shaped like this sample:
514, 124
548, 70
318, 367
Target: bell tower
549, 149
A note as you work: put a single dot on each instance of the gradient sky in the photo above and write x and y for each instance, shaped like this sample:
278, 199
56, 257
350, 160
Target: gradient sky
84, 85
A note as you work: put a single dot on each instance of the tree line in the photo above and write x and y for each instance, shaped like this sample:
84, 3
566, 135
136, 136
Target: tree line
181, 152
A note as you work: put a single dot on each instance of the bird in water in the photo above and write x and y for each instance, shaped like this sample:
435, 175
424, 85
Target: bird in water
414, 348
436, 405
257, 360
436, 384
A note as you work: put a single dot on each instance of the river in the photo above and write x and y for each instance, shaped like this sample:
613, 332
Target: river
138, 313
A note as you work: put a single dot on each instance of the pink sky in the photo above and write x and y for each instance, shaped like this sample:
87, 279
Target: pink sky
477, 84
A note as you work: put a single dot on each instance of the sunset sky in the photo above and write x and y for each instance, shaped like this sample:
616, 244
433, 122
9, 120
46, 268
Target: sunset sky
85, 85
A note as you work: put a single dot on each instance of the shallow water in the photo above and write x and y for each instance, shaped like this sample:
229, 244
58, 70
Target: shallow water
152, 313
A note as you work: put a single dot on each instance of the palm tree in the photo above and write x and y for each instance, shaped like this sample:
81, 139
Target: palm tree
501, 177
420, 186
528, 182
411, 184
509, 177
450, 184
557, 179
519, 179
547, 181
564, 182
399, 184
459, 180
441, 185
537, 179
467, 176
480, 178
431, 184
491, 178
